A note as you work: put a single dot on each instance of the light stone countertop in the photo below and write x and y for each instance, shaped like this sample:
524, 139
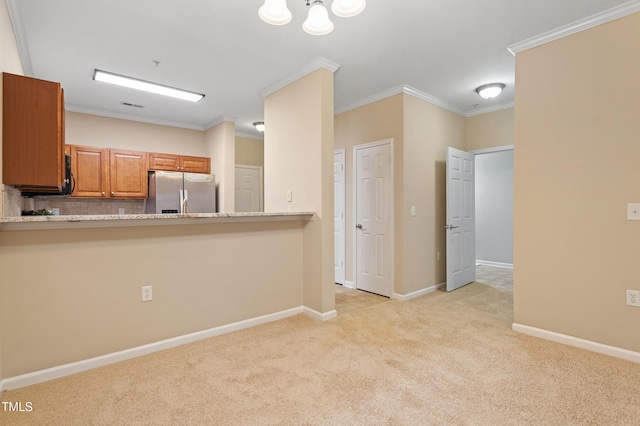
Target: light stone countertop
101, 221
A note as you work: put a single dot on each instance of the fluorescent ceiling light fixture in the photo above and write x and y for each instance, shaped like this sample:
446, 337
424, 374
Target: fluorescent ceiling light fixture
490, 91
147, 86
259, 125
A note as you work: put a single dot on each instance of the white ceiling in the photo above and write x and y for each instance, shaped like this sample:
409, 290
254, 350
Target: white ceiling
442, 48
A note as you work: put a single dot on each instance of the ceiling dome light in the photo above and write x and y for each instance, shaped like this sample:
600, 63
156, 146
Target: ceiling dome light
318, 22
347, 8
275, 12
259, 125
490, 91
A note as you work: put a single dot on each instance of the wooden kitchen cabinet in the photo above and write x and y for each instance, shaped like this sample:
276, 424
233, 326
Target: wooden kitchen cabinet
32, 134
108, 173
179, 163
90, 170
128, 174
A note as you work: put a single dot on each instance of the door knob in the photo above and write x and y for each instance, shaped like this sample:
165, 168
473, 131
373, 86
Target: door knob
359, 226
450, 227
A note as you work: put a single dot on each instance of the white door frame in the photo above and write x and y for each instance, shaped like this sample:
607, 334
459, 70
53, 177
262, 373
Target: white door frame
391, 210
245, 166
343, 232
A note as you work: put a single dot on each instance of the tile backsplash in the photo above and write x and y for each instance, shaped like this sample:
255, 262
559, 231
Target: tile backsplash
75, 206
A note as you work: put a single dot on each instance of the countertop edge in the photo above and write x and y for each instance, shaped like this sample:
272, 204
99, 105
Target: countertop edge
30, 223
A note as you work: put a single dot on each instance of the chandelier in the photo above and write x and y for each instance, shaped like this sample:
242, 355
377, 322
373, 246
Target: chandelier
275, 12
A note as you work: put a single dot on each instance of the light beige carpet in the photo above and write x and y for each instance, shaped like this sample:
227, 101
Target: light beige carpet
441, 359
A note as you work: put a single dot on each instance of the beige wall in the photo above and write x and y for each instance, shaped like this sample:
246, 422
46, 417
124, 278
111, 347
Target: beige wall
298, 157
249, 152
428, 131
490, 130
577, 152
370, 123
105, 132
220, 142
84, 297
420, 132
9, 62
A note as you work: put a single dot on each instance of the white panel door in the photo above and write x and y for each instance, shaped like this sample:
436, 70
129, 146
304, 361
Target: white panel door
248, 191
339, 231
460, 227
373, 219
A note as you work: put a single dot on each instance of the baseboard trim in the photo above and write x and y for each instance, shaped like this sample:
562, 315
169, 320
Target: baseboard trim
91, 363
349, 284
578, 343
413, 295
496, 264
319, 315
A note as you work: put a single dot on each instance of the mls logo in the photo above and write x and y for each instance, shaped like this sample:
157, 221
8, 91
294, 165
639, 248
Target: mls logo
27, 407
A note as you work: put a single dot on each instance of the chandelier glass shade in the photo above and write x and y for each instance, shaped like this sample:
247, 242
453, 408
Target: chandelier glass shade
318, 22
347, 8
275, 12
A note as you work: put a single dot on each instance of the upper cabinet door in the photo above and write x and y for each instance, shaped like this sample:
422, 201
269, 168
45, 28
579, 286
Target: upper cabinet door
195, 164
128, 174
179, 163
32, 134
90, 168
167, 162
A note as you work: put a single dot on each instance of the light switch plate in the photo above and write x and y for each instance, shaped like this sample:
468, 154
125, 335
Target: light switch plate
633, 211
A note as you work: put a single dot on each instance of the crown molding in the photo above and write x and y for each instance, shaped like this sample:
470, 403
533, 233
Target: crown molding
371, 99
491, 108
219, 120
432, 100
13, 6
109, 114
407, 90
313, 66
577, 26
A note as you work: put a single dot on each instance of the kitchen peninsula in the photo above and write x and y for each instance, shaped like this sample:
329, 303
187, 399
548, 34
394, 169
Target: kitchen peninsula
70, 286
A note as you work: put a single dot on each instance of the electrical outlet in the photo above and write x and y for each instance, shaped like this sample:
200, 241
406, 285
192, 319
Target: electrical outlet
147, 293
633, 298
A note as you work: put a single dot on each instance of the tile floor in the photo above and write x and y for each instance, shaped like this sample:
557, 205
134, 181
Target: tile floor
349, 300
493, 275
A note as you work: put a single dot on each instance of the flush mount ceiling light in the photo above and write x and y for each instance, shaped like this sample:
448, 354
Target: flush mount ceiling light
490, 91
275, 12
147, 86
259, 125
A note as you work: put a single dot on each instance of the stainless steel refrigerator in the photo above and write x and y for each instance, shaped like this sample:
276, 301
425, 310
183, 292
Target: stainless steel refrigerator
177, 192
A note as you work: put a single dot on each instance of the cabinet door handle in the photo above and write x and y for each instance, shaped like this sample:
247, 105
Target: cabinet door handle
102, 192
113, 193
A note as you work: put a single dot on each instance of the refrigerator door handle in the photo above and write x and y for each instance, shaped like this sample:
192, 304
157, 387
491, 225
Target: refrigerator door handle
181, 201
185, 202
